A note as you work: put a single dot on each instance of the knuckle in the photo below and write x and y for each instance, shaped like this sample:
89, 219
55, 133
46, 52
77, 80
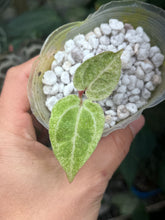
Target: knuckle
11, 72
122, 141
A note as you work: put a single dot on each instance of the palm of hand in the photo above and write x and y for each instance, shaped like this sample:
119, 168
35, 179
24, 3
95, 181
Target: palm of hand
33, 184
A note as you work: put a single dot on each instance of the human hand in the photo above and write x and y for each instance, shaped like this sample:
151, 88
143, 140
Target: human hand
32, 183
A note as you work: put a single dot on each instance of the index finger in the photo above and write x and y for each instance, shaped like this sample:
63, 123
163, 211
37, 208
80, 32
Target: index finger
14, 93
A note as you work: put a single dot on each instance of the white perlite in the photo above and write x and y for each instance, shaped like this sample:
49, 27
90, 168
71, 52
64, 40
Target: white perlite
140, 68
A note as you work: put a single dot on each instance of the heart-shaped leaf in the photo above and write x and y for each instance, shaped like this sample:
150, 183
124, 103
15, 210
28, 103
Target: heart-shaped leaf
75, 129
99, 75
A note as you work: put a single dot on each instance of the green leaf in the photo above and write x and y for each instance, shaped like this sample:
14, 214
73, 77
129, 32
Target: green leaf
99, 75
141, 149
126, 202
140, 212
161, 175
42, 20
75, 129
158, 116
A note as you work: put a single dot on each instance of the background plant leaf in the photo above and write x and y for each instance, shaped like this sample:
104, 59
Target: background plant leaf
42, 19
140, 212
3, 5
71, 10
75, 130
99, 75
161, 175
32, 24
141, 149
126, 202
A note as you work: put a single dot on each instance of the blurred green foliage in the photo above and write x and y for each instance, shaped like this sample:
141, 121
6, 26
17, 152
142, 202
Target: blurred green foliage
22, 20
141, 149
35, 24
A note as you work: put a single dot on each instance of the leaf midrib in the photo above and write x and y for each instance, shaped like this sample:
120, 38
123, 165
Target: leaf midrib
74, 139
59, 120
76, 134
101, 73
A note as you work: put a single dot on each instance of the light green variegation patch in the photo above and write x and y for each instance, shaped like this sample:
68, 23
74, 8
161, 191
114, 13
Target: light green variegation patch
75, 129
99, 75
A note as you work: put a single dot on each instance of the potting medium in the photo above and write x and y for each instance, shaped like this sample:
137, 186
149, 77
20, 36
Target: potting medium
140, 73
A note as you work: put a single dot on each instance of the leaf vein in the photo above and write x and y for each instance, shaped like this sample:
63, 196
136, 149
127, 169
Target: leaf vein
101, 73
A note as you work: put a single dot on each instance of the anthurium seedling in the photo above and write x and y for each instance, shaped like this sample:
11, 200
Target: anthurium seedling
99, 75
76, 126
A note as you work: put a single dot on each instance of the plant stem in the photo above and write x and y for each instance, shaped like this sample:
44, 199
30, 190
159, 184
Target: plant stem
80, 93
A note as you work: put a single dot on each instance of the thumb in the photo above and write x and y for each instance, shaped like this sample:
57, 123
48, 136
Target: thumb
112, 149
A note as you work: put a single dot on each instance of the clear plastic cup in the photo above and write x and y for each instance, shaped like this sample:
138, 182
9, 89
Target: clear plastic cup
136, 13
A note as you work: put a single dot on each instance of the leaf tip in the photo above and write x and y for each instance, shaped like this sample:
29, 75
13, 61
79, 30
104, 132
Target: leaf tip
70, 178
